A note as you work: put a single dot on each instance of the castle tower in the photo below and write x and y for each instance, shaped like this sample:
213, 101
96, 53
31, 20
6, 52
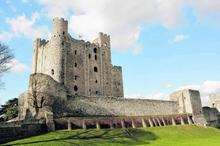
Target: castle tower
103, 41
59, 46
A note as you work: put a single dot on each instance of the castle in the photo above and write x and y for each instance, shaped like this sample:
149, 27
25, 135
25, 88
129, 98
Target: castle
73, 80
84, 68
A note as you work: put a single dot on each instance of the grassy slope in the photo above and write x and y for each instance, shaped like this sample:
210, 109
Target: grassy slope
158, 136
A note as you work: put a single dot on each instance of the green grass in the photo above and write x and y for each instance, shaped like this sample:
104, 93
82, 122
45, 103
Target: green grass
157, 136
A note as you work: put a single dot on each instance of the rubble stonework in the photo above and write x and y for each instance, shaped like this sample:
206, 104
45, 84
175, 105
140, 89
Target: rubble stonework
73, 78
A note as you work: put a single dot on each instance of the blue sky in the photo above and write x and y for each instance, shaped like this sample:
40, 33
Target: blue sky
162, 45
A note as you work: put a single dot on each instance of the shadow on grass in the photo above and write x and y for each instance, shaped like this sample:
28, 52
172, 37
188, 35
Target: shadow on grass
97, 137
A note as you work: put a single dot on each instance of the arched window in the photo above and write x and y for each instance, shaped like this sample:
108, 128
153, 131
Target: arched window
75, 52
96, 81
75, 88
95, 50
95, 69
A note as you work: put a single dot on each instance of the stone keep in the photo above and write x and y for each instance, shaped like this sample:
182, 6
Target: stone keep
84, 68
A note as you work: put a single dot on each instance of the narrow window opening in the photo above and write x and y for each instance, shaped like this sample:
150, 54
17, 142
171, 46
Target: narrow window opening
95, 57
96, 81
89, 56
75, 88
75, 52
52, 71
96, 92
63, 32
213, 104
95, 69
76, 77
75, 65
62, 43
95, 50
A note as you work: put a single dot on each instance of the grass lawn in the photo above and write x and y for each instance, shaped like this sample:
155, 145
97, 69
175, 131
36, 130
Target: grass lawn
156, 136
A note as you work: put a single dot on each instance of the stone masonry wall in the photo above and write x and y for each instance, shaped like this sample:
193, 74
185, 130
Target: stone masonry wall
48, 92
117, 82
121, 107
189, 101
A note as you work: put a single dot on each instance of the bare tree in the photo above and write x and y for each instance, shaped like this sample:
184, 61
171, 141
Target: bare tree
38, 97
6, 56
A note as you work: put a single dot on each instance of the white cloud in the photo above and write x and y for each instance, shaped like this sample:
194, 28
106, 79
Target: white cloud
21, 26
17, 66
179, 38
204, 8
170, 12
155, 96
206, 88
122, 19
168, 85
158, 95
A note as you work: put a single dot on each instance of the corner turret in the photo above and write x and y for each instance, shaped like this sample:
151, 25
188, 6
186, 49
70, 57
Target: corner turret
59, 46
60, 27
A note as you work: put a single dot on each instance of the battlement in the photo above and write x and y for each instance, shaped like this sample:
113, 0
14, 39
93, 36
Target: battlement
57, 19
103, 35
102, 39
117, 68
